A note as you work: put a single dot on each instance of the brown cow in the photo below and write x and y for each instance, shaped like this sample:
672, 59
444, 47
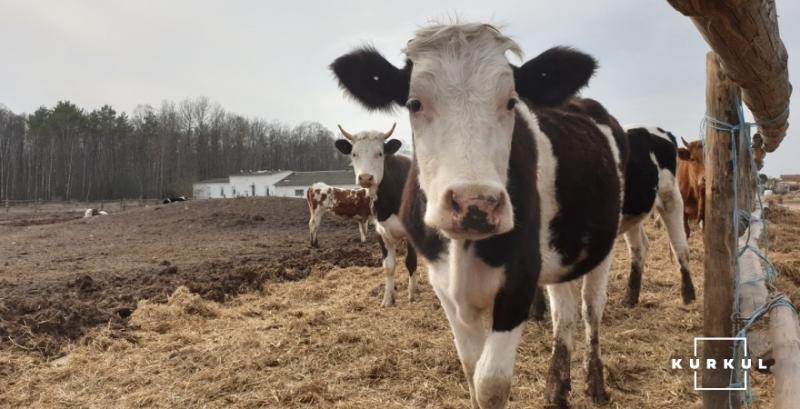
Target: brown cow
354, 204
692, 182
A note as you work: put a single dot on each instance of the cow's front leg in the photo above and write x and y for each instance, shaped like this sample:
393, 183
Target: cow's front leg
389, 251
314, 223
564, 304
495, 368
362, 231
469, 336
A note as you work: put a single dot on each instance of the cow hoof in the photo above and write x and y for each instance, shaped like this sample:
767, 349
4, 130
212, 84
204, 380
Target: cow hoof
557, 405
387, 301
630, 302
688, 296
597, 393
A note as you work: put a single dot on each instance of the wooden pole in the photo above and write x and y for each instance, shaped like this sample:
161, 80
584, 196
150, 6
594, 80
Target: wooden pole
786, 351
783, 343
745, 35
718, 234
753, 290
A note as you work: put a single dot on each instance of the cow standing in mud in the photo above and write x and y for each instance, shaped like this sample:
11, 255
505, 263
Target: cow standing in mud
509, 188
383, 173
355, 204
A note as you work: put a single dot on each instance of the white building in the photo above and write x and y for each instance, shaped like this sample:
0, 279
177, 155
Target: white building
295, 185
259, 183
270, 183
210, 188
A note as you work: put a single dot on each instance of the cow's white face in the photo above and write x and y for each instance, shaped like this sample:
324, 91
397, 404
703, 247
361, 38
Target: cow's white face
367, 150
461, 93
462, 107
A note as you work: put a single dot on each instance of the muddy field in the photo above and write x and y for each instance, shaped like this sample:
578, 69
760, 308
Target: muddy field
62, 275
140, 310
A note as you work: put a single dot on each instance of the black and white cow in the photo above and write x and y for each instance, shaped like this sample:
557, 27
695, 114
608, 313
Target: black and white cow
650, 184
380, 170
513, 184
94, 212
174, 199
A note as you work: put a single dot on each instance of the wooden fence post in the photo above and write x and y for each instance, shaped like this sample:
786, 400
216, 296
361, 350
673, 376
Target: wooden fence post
718, 235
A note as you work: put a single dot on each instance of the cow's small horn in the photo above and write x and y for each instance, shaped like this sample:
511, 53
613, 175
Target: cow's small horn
346, 135
686, 144
388, 134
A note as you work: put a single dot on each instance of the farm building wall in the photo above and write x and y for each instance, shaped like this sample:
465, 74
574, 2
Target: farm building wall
255, 184
209, 190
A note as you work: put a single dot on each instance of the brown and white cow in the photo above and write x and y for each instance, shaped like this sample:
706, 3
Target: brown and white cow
380, 170
508, 189
692, 182
355, 204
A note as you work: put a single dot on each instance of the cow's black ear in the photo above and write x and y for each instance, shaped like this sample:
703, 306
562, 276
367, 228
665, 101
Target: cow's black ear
344, 146
554, 76
392, 146
684, 154
371, 80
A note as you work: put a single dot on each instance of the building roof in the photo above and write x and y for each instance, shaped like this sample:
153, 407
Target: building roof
257, 172
217, 180
331, 177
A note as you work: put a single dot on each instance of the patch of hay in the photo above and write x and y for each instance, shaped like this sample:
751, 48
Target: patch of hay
324, 342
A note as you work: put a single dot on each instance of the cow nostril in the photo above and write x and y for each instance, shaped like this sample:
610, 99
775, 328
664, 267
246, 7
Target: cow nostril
451, 200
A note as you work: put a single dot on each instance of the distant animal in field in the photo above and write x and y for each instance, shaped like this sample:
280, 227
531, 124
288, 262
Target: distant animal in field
94, 212
380, 170
355, 204
692, 182
174, 199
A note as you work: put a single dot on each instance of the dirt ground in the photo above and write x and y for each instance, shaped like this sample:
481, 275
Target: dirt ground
62, 275
312, 334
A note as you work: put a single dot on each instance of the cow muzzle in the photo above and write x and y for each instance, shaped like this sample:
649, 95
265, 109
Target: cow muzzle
474, 212
366, 180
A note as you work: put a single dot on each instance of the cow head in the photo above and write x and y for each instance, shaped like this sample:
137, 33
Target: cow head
367, 151
462, 95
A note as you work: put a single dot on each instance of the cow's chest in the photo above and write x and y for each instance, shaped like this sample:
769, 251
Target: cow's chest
463, 277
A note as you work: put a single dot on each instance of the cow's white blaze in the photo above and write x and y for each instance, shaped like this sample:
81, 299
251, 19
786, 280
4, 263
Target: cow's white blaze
463, 127
367, 158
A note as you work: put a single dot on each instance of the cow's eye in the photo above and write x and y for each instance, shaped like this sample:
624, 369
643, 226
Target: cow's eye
355, 155
414, 105
380, 154
511, 103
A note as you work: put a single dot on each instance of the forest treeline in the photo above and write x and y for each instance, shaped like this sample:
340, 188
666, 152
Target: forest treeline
68, 153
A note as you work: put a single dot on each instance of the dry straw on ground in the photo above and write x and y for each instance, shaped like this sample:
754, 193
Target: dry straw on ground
324, 342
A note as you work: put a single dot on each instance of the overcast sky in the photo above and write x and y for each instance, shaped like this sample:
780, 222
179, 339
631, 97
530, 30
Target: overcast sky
269, 59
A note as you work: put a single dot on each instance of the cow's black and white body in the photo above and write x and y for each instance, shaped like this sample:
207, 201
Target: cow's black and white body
380, 170
174, 199
511, 186
651, 184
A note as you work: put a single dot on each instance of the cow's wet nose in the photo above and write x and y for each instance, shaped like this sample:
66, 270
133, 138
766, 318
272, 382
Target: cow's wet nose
476, 208
366, 180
